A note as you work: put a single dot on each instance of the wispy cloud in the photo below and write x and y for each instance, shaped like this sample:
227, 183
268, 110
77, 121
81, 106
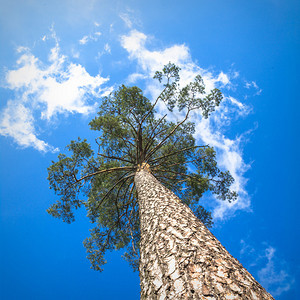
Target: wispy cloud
106, 50
271, 272
208, 131
253, 85
273, 278
55, 87
129, 17
125, 17
246, 248
91, 37
84, 40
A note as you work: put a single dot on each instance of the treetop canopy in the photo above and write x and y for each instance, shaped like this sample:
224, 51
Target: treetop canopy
130, 135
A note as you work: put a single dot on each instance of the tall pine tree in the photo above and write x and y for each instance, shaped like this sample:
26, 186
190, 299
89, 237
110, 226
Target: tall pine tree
131, 187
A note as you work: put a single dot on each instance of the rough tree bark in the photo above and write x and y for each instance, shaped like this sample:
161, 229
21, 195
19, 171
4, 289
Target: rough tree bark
179, 257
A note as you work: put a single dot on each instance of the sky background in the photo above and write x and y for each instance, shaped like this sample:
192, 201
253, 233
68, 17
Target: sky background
58, 58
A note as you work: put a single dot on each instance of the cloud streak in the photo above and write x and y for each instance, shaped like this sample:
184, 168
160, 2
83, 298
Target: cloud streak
92, 37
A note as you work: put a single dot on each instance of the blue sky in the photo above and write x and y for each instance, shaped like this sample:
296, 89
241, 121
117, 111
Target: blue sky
58, 58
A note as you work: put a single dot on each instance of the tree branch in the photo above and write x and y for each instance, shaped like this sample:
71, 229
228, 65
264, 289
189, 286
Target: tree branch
152, 107
151, 139
126, 120
176, 152
104, 171
162, 142
115, 157
111, 189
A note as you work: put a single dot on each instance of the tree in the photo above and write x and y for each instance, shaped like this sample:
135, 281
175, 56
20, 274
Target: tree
126, 188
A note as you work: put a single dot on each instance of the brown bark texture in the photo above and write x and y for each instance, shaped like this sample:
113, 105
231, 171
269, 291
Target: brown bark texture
179, 257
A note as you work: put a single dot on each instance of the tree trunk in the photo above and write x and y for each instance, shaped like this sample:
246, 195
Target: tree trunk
180, 257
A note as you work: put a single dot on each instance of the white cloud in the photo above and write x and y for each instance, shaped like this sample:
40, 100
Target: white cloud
245, 248
16, 121
84, 40
134, 43
272, 272
107, 48
229, 158
57, 87
208, 131
273, 277
240, 105
134, 77
223, 78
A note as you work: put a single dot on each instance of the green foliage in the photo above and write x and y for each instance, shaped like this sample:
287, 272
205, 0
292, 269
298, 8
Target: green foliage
129, 135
